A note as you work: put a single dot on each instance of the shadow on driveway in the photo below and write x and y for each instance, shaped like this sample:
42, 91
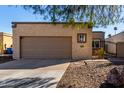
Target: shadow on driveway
31, 63
116, 61
27, 83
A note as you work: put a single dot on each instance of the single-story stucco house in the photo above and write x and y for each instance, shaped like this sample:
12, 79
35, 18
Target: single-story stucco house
115, 44
45, 40
5, 41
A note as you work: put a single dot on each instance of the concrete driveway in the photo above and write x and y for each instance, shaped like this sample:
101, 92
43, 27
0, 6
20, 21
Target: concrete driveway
32, 73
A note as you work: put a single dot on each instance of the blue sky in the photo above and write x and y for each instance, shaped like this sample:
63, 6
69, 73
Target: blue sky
10, 14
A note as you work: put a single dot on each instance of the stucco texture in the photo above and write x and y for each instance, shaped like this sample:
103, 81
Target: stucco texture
115, 44
5, 41
35, 29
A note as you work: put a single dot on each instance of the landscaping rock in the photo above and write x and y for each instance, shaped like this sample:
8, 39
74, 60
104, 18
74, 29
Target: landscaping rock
116, 76
92, 75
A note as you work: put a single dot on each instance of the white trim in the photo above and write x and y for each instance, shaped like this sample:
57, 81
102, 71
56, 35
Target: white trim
94, 40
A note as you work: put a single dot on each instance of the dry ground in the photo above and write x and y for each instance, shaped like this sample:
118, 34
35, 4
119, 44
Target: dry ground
82, 74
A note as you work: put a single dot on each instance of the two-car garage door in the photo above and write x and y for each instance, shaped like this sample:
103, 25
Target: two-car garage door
46, 47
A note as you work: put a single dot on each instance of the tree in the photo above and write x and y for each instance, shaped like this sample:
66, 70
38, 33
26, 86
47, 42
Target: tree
94, 15
115, 28
109, 35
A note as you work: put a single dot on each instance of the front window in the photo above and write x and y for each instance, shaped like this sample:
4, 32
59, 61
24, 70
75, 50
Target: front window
96, 43
81, 38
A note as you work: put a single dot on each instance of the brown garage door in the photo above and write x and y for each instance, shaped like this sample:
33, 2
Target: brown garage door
120, 49
46, 47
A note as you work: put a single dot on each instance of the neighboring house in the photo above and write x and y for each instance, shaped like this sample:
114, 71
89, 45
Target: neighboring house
98, 40
115, 44
45, 40
5, 42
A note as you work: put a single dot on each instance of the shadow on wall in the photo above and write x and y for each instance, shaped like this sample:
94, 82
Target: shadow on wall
31, 64
28, 83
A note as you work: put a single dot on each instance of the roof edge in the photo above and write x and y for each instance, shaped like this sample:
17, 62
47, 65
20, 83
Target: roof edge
115, 35
15, 23
98, 32
45, 22
5, 34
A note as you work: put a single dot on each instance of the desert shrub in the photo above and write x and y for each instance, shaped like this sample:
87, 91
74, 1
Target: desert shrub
100, 53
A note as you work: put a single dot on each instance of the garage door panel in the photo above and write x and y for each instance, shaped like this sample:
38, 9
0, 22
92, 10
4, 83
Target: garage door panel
120, 49
46, 47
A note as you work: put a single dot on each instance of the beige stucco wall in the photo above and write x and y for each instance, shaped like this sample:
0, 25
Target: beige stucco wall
112, 43
98, 35
53, 30
1, 43
120, 49
111, 47
116, 38
7, 40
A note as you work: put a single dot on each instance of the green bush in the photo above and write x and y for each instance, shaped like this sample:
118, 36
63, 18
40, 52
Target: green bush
101, 53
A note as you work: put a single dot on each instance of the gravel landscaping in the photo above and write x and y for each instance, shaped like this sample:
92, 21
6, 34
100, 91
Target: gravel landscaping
86, 74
